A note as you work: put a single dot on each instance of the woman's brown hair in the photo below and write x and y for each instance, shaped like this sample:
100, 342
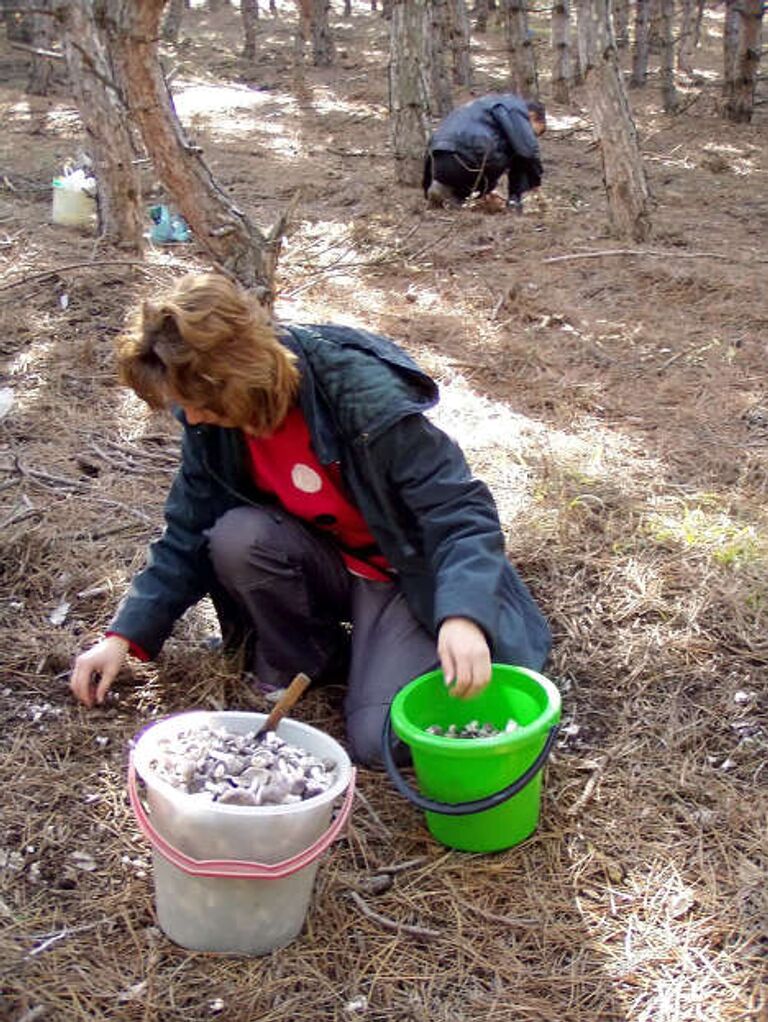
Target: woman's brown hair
209, 344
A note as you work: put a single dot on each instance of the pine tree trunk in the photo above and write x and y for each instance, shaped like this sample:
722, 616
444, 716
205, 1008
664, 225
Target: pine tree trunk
740, 83
687, 44
249, 10
173, 19
106, 123
43, 36
730, 42
439, 39
409, 87
621, 23
561, 47
522, 62
233, 242
623, 172
323, 47
669, 96
481, 16
460, 43
654, 26
640, 51
583, 36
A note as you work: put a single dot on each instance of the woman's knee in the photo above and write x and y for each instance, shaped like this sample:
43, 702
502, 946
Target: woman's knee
364, 730
238, 532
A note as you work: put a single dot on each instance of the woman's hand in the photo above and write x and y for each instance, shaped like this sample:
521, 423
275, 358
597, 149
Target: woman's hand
97, 668
464, 656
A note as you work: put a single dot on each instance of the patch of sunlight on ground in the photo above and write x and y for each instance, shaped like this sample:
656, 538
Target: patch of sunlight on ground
198, 98
325, 102
658, 931
565, 122
699, 523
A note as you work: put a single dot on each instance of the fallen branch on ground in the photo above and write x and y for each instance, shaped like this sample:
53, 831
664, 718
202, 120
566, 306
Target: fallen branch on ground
392, 924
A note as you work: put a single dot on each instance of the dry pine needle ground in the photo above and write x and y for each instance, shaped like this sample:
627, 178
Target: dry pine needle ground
616, 405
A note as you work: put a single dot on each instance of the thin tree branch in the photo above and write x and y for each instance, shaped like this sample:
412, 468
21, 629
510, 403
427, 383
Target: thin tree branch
75, 266
392, 924
51, 54
653, 253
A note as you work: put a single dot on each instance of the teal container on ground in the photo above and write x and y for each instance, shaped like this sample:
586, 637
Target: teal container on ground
458, 778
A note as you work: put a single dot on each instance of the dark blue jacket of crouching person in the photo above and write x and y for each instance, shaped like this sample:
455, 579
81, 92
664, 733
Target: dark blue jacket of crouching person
484, 139
364, 400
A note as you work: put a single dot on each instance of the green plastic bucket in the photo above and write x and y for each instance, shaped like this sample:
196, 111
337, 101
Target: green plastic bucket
484, 794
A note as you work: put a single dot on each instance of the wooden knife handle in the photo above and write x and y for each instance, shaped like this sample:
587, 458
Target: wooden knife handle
292, 694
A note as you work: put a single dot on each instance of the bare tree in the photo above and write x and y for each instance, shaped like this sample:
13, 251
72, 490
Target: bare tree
482, 8
249, 9
669, 95
173, 19
742, 61
522, 61
562, 74
234, 243
623, 171
43, 37
583, 36
439, 40
640, 50
687, 43
105, 119
621, 23
460, 43
313, 24
409, 87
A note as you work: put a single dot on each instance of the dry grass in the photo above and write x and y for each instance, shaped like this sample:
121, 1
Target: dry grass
617, 408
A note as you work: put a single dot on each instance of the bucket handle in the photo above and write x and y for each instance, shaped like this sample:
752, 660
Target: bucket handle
460, 808
236, 868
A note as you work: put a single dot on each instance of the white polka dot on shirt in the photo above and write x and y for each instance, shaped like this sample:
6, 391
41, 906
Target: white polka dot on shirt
306, 479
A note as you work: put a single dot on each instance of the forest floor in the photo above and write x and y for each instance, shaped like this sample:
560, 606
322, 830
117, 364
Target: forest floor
612, 395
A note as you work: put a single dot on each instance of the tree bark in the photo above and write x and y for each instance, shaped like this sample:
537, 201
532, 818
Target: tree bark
730, 41
522, 62
687, 44
561, 48
409, 87
481, 15
640, 51
106, 123
43, 37
173, 19
439, 38
621, 23
460, 43
249, 10
235, 244
323, 46
741, 65
623, 172
669, 97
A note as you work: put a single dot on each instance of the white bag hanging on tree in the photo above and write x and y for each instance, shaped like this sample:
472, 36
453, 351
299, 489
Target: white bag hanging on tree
74, 199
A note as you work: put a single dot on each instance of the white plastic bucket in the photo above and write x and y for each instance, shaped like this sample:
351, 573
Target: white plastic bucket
230, 878
73, 202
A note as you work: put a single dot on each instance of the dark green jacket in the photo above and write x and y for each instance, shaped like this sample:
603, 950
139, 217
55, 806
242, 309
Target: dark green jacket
363, 399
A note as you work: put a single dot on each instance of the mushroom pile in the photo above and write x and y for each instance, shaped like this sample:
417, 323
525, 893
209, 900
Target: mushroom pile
241, 769
474, 729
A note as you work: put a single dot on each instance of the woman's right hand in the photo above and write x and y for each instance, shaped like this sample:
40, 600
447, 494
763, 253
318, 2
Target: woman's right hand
97, 668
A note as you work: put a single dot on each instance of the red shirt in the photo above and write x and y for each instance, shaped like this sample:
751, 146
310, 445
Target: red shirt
285, 464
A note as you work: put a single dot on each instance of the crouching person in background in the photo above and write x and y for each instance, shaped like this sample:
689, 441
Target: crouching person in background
479, 142
313, 492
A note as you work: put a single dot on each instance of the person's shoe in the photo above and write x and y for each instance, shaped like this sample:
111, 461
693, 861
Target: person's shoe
440, 195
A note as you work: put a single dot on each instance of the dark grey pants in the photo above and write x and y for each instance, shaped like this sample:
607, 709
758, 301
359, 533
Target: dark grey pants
293, 592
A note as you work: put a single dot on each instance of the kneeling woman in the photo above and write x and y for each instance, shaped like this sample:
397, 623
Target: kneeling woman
313, 493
